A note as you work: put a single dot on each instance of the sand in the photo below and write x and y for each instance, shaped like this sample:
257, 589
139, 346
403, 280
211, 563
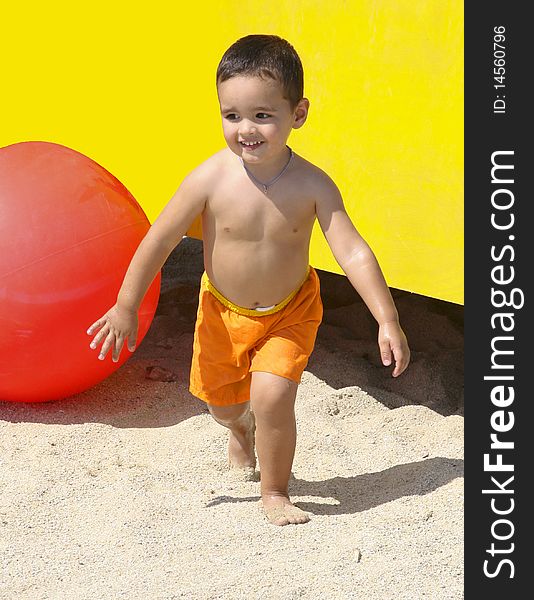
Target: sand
123, 491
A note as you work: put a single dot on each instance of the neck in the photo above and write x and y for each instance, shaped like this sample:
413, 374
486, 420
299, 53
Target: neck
266, 171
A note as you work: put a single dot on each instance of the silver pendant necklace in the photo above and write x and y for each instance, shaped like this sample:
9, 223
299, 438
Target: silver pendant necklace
266, 186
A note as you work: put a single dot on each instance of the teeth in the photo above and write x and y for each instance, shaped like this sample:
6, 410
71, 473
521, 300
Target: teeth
250, 143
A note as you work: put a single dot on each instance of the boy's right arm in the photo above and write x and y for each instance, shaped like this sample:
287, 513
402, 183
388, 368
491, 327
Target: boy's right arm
120, 323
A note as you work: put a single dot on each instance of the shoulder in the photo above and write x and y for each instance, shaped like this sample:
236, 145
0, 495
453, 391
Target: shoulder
205, 176
318, 182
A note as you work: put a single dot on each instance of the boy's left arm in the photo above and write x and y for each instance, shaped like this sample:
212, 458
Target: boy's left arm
359, 263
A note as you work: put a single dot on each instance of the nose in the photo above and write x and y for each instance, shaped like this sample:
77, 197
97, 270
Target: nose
247, 127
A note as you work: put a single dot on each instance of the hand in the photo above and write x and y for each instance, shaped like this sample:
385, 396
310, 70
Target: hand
392, 341
116, 326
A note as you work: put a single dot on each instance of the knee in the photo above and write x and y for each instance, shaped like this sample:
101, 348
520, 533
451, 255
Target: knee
230, 416
272, 396
274, 408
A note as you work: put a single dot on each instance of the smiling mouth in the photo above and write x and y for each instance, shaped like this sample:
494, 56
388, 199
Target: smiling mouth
250, 145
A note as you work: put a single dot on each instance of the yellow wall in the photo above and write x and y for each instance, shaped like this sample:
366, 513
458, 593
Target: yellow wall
131, 85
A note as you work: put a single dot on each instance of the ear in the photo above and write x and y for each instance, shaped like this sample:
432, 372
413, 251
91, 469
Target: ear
301, 113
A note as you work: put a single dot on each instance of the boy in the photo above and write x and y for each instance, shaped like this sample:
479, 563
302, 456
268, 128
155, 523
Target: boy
259, 305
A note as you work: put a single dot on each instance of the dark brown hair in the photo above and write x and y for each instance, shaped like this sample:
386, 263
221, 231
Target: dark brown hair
265, 56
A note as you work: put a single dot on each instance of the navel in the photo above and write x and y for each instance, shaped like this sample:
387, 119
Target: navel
295, 230
227, 229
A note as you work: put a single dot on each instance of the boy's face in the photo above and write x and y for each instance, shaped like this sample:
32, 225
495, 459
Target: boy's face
257, 119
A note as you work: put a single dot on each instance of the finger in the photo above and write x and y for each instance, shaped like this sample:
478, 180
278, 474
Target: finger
108, 342
117, 347
96, 325
401, 361
132, 341
385, 353
100, 336
398, 362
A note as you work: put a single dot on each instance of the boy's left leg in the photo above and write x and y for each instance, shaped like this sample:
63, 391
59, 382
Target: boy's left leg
272, 399
240, 421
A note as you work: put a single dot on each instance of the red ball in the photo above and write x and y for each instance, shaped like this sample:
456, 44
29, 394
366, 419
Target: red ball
68, 230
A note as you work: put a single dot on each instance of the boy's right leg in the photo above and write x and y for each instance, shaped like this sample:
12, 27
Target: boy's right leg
239, 419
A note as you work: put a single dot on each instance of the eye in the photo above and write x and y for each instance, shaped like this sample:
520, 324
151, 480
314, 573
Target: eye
262, 116
231, 117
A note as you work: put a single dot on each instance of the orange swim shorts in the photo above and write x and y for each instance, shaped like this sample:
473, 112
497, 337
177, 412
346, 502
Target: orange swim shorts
231, 341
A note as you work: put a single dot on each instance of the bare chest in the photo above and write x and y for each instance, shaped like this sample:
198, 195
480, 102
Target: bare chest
251, 215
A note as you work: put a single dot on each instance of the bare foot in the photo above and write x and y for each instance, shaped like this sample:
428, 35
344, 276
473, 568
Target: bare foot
280, 511
241, 446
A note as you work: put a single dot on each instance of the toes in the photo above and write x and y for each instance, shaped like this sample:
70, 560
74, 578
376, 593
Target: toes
286, 515
238, 473
298, 518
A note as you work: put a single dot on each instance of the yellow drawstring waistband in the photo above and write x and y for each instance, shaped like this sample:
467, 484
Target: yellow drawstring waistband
251, 312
